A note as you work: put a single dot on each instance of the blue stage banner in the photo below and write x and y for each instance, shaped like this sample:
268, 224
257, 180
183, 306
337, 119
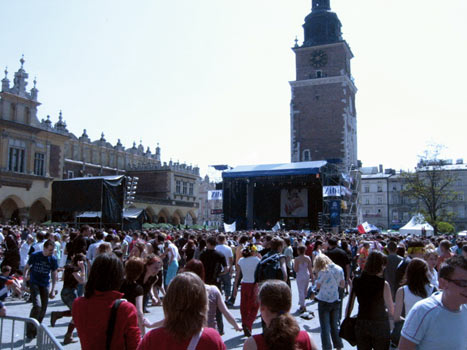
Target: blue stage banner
335, 213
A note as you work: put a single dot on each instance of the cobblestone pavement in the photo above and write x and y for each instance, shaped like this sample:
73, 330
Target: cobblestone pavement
232, 339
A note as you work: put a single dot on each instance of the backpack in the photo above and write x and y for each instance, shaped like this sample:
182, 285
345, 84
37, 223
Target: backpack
269, 268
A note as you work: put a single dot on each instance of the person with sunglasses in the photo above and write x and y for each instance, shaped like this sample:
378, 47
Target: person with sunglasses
440, 321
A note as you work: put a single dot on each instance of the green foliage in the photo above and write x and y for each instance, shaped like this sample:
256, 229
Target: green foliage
445, 227
431, 185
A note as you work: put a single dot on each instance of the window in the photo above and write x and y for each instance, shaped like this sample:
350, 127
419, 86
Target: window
178, 187
366, 189
71, 174
380, 200
185, 188
319, 74
306, 155
380, 188
367, 200
16, 159
190, 192
39, 164
12, 112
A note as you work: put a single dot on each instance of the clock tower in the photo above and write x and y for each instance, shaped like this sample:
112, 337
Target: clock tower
323, 117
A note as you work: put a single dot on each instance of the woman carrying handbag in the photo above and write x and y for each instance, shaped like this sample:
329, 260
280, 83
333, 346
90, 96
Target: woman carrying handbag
375, 304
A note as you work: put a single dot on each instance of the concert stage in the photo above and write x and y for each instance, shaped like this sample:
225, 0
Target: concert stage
258, 196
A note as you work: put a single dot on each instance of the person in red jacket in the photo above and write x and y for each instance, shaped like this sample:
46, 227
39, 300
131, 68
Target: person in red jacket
185, 310
91, 313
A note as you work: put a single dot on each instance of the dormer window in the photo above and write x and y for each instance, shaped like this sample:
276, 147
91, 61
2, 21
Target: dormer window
319, 74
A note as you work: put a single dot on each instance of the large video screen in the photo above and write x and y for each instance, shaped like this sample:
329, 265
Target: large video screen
294, 203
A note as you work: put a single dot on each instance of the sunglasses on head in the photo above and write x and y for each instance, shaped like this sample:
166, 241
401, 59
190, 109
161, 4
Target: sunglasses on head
459, 283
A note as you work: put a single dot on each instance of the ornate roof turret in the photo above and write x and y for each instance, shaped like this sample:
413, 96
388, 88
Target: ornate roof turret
85, 137
158, 153
140, 148
322, 26
119, 146
48, 122
5, 81
34, 90
102, 137
19, 82
60, 125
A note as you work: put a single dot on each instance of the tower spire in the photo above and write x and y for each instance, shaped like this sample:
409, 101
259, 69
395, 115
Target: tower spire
322, 26
323, 5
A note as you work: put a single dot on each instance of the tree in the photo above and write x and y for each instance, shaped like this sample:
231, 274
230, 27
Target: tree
445, 227
431, 184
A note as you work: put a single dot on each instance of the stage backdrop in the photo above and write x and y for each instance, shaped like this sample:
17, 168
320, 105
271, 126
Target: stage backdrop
294, 203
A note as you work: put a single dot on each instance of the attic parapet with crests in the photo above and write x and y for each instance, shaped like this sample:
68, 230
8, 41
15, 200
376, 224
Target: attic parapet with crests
171, 166
102, 153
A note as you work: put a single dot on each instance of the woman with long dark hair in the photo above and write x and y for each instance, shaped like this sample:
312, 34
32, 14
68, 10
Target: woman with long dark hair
416, 287
91, 312
281, 330
374, 304
132, 291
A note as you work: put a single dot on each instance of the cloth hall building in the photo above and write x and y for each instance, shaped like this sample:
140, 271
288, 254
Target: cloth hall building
34, 153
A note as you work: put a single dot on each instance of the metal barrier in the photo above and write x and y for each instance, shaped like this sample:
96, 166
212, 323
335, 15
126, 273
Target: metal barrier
44, 340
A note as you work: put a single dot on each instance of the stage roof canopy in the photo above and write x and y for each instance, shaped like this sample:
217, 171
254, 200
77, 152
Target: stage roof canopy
287, 169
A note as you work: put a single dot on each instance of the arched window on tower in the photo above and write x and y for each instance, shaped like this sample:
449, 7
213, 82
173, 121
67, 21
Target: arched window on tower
306, 155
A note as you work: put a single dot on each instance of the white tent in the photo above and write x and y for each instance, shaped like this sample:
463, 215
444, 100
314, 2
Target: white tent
415, 226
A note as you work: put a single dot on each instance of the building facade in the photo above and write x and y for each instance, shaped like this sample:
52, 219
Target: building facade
210, 211
34, 153
384, 204
323, 116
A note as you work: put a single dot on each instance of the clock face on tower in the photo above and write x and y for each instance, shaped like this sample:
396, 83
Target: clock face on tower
318, 59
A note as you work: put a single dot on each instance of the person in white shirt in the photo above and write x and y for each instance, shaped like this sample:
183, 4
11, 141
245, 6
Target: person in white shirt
24, 251
171, 251
249, 292
92, 250
225, 277
440, 321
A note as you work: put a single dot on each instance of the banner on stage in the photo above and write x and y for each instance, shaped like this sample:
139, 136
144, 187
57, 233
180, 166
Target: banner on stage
335, 191
214, 195
294, 203
230, 228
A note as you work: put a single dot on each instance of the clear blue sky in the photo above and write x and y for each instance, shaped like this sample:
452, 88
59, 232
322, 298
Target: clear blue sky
208, 79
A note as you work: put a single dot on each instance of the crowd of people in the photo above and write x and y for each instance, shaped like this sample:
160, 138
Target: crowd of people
411, 291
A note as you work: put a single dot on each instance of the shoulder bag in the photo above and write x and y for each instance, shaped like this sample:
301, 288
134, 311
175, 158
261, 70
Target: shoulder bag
347, 330
111, 324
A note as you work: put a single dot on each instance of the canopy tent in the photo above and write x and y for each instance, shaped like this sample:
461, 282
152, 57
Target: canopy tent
416, 225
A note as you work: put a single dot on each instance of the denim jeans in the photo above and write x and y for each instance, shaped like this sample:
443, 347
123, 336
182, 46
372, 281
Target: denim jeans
329, 322
225, 281
40, 299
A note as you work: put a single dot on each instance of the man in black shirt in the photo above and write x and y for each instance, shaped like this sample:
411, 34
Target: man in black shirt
339, 257
213, 261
